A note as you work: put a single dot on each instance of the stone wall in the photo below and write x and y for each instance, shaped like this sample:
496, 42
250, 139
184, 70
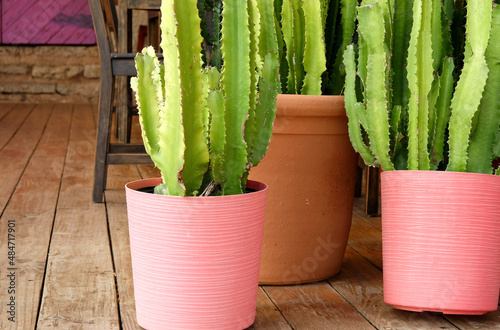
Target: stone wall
67, 74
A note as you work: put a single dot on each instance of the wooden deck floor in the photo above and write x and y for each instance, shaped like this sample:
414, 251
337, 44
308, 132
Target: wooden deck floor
70, 265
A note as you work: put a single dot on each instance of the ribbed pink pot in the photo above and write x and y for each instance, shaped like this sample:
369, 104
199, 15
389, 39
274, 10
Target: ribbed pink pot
441, 241
195, 260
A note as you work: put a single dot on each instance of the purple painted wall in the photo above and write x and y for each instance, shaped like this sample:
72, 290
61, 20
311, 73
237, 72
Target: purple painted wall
46, 22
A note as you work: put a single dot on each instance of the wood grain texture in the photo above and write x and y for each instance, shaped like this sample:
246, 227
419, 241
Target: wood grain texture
11, 117
367, 240
119, 175
65, 22
360, 283
359, 210
490, 320
268, 315
32, 206
315, 306
149, 171
79, 171
118, 228
16, 154
5, 107
79, 290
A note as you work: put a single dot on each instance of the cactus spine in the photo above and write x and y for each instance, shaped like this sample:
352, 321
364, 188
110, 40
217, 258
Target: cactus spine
407, 129
194, 119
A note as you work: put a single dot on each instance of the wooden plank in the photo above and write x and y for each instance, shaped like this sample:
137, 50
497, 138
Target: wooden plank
12, 11
45, 22
127, 148
72, 25
5, 107
32, 208
76, 191
144, 4
359, 210
128, 159
118, 228
315, 306
268, 315
490, 320
119, 175
12, 118
366, 240
149, 171
360, 283
16, 154
79, 290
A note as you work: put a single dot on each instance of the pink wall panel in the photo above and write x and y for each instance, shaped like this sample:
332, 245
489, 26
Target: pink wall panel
46, 22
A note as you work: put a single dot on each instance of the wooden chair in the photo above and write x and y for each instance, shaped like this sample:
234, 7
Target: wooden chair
113, 64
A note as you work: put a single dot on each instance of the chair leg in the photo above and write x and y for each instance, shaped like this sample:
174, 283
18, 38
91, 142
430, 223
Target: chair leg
103, 136
122, 109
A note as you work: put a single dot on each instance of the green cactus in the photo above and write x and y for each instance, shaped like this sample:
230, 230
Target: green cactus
315, 40
469, 90
429, 102
481, 148
196, 122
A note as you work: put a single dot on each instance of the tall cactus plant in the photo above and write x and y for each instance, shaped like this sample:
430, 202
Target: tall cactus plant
408, 96
314, 35
205, 129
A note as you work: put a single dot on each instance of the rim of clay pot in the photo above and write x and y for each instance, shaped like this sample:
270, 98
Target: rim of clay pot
300, 105
133, 186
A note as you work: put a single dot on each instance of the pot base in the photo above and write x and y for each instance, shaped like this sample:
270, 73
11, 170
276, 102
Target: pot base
438, 310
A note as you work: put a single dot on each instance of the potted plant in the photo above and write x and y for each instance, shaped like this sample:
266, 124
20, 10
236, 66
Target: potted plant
310, 166
196, 241
422, 99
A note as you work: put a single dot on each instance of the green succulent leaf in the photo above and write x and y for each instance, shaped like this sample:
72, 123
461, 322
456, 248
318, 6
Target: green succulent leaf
371, 27
236, 89
482, 141
470, 86
355, 110
314, 52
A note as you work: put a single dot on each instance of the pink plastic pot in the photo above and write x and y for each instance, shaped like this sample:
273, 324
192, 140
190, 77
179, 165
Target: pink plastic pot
195, 260
441, 241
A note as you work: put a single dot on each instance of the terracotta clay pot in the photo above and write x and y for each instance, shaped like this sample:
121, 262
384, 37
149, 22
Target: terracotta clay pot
195, 260
310, 169
441, 241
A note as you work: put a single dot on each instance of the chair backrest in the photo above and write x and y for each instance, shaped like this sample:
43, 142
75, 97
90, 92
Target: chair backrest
105, 23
